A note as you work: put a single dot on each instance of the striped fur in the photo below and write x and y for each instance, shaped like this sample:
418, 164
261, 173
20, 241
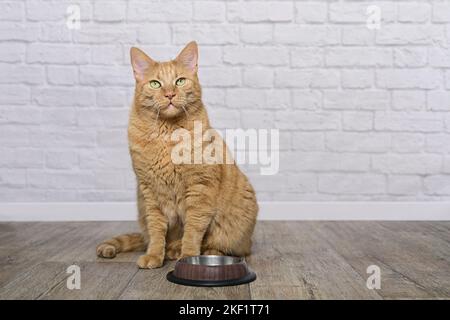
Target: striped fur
184, 209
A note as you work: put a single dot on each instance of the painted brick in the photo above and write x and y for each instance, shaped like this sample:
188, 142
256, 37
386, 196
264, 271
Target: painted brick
256, 33
357, 142
352, 183
308, 141
12, 52
109, 11
413, 12
409, 100
359, 57
404, 185
214, 11
357, 120
437, 184
407, 34
412, 122
64, 96
307, 78
307, 57
259, 11
363, 114
356, 99
62, 75
438, 143
439, 100
306, 35
408, 163
356, 12
258, 77
106, 75
357, 79
254, 55
441, 11
11, 73
171, 11
307, 99
57, 54
12, 11
61, 159
408, 79
206, 34
407, 142
311, 12
410, 57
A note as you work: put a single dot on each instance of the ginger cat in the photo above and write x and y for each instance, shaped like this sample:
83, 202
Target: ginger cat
184, 209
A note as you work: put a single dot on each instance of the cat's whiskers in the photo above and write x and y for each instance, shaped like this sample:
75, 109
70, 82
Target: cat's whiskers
185, 111
157, 114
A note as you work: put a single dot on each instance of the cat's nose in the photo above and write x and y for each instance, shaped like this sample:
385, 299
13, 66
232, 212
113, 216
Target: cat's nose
170, 94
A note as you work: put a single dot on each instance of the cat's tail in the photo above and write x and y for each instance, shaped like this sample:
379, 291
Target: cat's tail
123, 243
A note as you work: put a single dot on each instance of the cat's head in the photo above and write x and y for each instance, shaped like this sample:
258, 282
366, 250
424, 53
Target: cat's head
169, 89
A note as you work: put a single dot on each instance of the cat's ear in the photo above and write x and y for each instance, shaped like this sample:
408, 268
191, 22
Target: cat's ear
140, 63
189, 57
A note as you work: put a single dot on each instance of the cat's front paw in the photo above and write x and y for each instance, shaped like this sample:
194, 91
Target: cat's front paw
147, 261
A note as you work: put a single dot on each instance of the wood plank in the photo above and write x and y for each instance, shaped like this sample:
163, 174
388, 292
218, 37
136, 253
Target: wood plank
441, 229
34, 282
276, 279
9, 229
361, 253
29, 246
293, 258
80, 244
97, 281
427, 260
366, 243
423, 236
152, 284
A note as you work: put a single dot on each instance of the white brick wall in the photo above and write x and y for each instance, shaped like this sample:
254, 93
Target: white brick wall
363, 114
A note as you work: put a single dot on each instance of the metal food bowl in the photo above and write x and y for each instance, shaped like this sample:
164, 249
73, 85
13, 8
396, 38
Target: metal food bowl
211, 271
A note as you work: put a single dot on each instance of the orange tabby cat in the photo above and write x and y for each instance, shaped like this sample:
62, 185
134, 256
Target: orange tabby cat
184, 209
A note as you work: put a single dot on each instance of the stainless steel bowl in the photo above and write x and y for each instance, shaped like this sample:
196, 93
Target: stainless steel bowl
212, 260
211, 271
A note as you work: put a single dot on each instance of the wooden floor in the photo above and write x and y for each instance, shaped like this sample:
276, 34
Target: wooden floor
293, 260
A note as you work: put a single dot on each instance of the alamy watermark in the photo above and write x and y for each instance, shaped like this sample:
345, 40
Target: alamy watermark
250, 146
73, 17
74, 280
374, 280
373, 21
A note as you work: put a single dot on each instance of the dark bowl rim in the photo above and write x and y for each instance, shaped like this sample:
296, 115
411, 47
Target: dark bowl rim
249, 277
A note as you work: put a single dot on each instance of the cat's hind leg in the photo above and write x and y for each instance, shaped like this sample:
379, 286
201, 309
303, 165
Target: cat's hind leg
223, 242
123, 243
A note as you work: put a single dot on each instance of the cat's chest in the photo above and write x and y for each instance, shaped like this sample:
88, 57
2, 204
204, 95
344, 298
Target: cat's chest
152, 162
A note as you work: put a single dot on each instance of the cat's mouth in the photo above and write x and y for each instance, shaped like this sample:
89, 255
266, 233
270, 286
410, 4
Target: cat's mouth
170, 110
171, 106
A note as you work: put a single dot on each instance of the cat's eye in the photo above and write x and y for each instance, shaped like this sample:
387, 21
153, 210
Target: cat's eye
155, 84
180, 82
